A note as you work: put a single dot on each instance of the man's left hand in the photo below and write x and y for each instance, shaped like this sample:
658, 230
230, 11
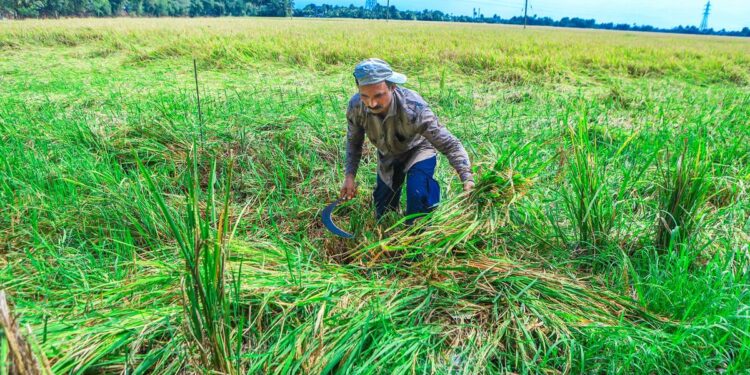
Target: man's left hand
468, 186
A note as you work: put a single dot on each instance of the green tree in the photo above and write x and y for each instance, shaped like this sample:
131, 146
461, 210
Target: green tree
98, 8
28, 8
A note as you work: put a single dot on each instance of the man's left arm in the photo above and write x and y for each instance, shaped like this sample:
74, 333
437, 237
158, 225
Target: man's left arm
447, 144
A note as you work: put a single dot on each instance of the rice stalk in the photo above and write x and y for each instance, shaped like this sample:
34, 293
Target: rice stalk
683, 190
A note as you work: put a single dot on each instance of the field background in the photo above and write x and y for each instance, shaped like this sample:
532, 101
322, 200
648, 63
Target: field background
586, 143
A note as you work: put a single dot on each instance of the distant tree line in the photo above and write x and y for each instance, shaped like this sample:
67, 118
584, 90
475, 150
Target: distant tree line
147, 8
285, 8
392, 12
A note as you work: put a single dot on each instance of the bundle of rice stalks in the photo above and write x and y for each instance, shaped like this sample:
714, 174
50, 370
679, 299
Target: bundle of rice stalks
481, 212
499, 186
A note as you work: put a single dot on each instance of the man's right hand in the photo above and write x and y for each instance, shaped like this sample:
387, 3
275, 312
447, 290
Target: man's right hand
349, 190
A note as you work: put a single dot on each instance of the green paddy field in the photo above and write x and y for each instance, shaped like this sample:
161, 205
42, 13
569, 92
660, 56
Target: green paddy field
608, 232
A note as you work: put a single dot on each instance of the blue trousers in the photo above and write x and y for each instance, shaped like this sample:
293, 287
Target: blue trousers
422, 191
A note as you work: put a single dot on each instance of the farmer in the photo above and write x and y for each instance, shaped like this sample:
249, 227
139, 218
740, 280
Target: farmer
406, 134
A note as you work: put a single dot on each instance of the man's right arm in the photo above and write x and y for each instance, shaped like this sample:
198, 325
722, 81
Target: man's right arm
355, 137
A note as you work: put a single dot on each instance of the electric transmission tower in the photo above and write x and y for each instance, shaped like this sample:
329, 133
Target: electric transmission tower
706, 12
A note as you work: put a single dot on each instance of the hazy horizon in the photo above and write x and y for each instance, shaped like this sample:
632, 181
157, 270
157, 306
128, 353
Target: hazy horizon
725, 14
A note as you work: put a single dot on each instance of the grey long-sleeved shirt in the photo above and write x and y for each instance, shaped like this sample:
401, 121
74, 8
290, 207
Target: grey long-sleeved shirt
409, 133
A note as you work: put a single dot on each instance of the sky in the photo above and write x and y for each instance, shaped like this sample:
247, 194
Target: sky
725, 14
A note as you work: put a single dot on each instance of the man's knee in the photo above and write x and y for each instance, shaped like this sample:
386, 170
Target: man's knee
423, 192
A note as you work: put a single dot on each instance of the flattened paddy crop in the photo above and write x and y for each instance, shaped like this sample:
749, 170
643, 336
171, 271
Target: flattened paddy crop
607, 233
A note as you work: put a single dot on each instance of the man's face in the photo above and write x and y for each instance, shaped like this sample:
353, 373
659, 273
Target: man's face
377, 97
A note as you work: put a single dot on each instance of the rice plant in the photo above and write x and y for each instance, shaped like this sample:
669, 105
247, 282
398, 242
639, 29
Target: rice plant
201, 238
683, 190
589, 202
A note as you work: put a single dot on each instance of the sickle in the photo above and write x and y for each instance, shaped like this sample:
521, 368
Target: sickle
329, 223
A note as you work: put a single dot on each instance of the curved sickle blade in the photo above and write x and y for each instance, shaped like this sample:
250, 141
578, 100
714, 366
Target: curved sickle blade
329, 223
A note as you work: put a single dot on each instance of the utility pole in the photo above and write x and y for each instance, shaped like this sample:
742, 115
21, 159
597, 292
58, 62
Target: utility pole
525, 13
706, 12
388, 11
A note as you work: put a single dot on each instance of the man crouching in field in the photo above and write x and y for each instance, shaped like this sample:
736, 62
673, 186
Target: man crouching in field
406, 133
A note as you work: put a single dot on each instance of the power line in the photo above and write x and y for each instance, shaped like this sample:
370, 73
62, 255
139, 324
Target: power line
706, 12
